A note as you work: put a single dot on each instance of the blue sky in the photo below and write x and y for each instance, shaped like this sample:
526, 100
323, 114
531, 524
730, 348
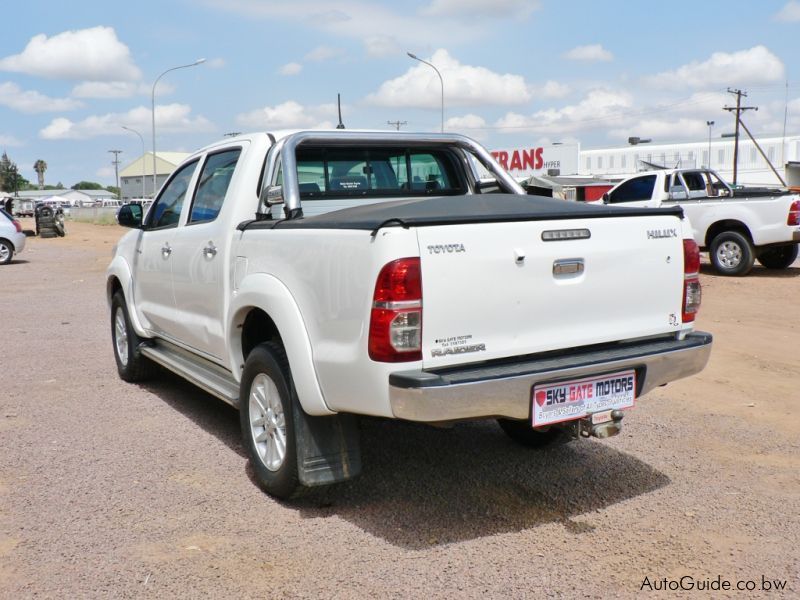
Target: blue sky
516, 72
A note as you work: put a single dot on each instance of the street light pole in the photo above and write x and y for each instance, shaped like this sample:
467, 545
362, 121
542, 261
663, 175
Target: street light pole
710, 125
143, 156
153, 106
415, 57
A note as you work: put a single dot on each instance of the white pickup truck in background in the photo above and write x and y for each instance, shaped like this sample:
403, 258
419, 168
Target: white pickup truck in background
308, 277
735, 226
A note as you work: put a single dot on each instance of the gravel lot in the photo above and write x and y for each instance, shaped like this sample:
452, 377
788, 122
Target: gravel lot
115, 490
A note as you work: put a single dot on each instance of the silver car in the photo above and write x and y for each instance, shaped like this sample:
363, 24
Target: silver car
12, 240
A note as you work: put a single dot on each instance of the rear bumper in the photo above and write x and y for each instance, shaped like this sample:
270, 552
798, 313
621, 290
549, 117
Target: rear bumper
504, 389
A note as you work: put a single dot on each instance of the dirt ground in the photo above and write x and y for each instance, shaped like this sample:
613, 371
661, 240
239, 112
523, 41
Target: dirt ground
115, 490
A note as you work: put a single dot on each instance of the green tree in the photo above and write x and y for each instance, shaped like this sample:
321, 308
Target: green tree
113, 189
40, 167
10, 179
87, 185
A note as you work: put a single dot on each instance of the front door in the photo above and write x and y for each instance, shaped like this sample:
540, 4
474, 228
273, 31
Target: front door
153, 295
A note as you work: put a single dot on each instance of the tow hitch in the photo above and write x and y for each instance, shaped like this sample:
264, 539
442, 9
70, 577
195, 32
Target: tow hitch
600, 425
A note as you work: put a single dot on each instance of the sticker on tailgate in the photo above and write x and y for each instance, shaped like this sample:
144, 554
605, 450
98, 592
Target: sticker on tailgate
567, 400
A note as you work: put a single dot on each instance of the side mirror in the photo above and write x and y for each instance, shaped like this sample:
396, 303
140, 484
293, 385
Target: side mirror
272, 195
606, 198
130, 215
678, 192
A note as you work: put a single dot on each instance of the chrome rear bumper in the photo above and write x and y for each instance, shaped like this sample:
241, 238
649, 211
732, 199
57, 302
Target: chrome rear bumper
504, 389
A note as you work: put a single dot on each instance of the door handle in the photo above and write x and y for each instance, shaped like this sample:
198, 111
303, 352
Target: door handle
210, 251
166, 250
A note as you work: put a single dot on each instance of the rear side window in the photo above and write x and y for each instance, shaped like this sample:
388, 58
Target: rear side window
640, 188
376, 172
694, 181
213, 185
166, 212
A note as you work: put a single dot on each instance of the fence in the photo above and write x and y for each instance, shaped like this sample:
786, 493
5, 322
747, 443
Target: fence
95, 214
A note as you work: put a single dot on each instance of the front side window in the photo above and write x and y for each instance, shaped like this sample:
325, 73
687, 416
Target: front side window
640, 188
694, 181
166, 212
213, 185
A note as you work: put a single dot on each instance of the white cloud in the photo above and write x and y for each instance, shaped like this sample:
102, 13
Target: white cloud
105, 173
598, 107
288, 115
9, 140
467, 9
321, 53
30, 101
379, 46
469, 124
551, 89
590, 53
379, 25
87, 54
216, 63
169, 118
755, 65
790, 13
663, 129
291, 68
463, 85
119, 89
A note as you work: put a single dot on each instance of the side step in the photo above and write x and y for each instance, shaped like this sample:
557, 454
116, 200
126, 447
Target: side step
203, 373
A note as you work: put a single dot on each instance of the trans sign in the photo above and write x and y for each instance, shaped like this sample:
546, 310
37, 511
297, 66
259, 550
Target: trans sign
533, 160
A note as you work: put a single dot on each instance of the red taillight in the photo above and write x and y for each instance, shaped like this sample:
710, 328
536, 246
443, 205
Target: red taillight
794, 214
692, 294
395, 328
17, 226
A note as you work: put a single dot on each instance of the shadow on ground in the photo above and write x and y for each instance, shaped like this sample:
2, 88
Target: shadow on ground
423, 486
758, 271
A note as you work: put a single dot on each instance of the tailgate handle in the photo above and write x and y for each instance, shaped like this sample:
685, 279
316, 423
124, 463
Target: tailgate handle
566, 267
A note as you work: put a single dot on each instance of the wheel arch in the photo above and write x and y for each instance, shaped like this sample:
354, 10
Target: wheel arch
726, 225
13, 247
264, 310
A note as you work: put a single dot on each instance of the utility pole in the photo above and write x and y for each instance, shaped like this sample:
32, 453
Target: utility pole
397, 124
739, 110
115, 162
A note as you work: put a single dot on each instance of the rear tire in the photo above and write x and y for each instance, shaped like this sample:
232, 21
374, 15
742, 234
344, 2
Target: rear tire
780, 257
6, 252
266, 404
732, 254
131, 365
522, 433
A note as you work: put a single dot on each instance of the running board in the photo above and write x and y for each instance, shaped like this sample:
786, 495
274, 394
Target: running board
203, 373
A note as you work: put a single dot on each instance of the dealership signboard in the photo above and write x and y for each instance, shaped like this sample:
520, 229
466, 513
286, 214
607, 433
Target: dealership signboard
522, 162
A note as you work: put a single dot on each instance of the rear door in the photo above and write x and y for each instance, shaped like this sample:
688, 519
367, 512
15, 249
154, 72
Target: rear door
200, 257
496, 290
637, 191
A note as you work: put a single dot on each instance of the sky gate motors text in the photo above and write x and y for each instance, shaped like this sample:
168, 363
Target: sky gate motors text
585, 391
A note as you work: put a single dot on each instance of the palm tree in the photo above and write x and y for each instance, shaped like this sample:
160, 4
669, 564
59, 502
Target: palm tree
40, 167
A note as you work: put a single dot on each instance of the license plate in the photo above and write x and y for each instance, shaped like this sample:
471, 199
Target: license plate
568, 400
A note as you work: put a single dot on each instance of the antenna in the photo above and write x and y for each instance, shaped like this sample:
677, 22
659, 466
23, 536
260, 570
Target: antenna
339, 105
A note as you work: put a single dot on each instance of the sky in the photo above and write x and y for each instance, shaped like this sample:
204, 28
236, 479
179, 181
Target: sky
516, 73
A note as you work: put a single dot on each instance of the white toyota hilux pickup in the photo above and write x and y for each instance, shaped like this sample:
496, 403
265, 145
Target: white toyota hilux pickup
310, 277
736, 226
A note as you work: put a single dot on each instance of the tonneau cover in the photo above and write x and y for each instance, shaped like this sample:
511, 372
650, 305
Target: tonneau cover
448, 210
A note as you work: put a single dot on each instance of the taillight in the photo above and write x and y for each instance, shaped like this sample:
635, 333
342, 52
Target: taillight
794, 214
692, 293
17, 226
395, 328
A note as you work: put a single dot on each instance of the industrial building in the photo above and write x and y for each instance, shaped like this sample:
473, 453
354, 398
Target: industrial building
136, 179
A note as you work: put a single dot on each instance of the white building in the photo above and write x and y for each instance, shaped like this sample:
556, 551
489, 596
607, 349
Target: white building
783, 153
130, 177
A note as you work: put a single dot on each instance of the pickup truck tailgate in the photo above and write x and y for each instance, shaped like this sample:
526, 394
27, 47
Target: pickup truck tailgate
498, 289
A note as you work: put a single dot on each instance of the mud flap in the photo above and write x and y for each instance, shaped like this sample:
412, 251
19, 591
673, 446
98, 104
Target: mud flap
328, 448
